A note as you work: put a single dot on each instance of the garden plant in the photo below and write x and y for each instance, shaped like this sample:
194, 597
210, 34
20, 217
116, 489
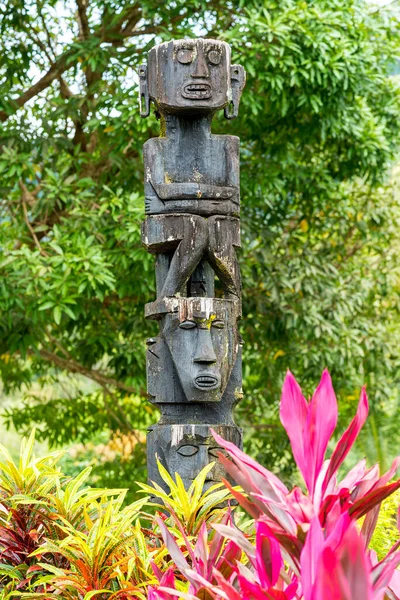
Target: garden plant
320, 219
256, 540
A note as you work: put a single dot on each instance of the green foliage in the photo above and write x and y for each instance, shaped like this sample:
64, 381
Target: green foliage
113, 463
192, 507
58, 536
386, 533
318, 125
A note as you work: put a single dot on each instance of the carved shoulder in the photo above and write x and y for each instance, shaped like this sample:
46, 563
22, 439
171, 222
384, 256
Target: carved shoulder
152, 147
230, 141
231, 145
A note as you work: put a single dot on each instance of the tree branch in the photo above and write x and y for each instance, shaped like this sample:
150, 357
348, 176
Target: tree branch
74, 367
124, 424
124, 28
112, 32
123, 420
47, 32
83, 21
27, 196
55, 71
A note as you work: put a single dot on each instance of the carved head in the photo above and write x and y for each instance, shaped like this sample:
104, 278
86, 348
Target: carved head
201, 338
187, 449
191, 76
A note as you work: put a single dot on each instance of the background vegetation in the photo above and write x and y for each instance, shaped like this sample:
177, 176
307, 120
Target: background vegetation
319, 127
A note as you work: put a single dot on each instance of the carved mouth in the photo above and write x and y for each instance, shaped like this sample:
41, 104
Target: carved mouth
206, 382
197, 91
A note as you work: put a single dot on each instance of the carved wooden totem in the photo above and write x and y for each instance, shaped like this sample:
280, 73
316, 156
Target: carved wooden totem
194, 369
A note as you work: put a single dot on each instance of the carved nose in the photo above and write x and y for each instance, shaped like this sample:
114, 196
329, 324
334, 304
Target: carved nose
200, 66
204, 350
203, 459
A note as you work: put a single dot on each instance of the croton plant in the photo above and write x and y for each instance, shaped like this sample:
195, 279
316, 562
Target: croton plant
60, 538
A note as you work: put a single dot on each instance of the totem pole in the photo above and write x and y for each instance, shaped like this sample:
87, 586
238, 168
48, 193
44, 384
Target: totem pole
194, 370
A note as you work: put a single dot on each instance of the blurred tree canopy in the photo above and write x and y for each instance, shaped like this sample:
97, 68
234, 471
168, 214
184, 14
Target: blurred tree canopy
319, 127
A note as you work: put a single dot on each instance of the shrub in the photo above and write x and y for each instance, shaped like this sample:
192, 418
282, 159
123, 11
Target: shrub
60, 538
307, 546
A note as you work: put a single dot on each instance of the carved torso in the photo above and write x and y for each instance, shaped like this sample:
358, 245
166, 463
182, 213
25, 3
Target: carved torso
188, 175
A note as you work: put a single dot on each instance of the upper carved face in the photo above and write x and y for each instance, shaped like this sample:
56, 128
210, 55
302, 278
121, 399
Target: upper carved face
203, 342
188, 75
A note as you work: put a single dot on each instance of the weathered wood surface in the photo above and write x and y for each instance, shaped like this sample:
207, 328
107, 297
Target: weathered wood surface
192, 199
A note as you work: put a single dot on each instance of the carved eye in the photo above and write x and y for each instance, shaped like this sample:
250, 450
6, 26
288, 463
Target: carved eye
185, 56
151, 341
214, 57
188, 450
218, 324
187, 325
214, 452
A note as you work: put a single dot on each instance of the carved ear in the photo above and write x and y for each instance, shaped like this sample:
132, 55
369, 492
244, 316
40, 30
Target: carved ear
238, 80
144, 98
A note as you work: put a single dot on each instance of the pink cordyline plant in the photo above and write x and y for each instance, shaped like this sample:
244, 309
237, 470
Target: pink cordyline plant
307, 545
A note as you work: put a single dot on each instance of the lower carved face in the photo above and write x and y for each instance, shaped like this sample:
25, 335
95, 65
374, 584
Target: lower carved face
186, 450
203, 344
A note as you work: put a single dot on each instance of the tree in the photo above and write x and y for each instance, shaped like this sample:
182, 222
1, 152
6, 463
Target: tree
319, 127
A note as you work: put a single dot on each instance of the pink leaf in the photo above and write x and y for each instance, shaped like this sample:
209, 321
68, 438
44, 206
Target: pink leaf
382, 573
268, 558
354, 476
226, 587
355, 565
244, 502
327, 580
227, 561
388, 475
243, 458
338, 532
300, 506
201, 549
369, 524
293, 414
157, 572
366, 483
173, 548
394, 585
309, 557
347, 440
320, 424
252, 591
237, 536
280, 514
368, 502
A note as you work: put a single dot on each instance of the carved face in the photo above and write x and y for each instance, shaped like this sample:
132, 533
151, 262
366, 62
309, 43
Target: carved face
187, 449
202, 340
188, 75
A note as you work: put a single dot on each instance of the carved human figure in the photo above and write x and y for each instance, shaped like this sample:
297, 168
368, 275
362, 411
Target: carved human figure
187, 449
189, 170
193, 357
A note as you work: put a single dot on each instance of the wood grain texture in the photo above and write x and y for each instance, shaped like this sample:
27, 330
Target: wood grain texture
192, 201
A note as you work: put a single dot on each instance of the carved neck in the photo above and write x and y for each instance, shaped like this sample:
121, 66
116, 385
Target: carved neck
182, 127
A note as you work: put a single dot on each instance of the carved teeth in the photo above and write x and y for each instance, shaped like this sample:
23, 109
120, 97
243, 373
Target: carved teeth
199, 87
197, 91
206, 381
